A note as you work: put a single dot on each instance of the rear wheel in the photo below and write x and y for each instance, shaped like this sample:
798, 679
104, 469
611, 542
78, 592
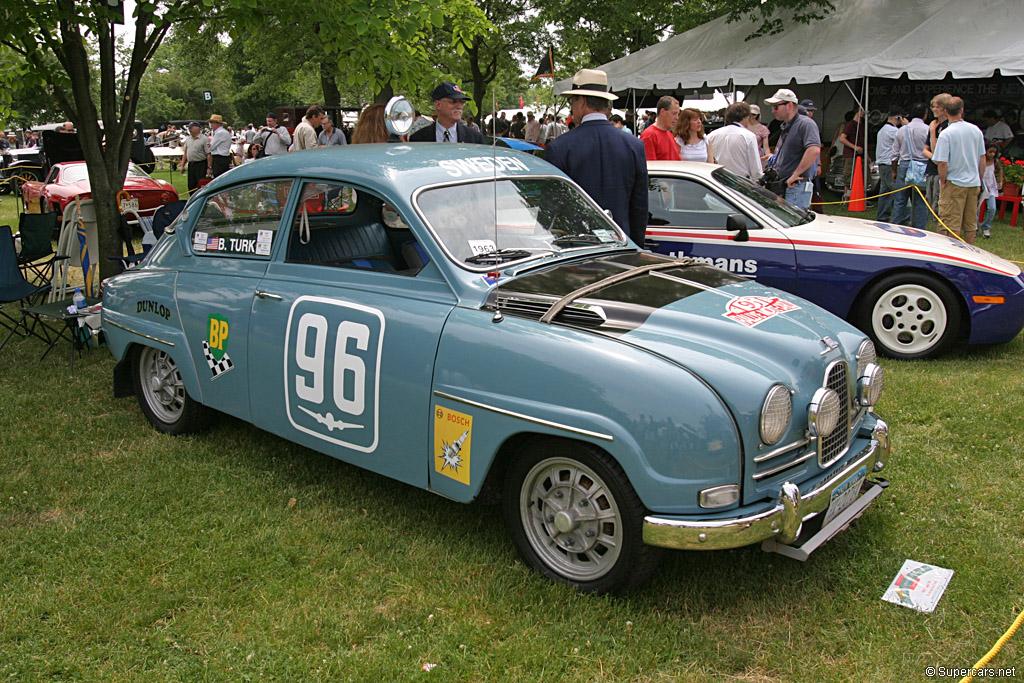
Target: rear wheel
910, 316
161, 393
575, 517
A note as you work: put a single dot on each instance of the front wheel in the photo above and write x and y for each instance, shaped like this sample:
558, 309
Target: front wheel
910, 316
575, 518
161, 393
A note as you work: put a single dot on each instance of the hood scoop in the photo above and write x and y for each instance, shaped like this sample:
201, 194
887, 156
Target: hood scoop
579, 314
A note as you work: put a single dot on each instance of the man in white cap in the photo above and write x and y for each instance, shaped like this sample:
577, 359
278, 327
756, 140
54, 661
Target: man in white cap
608, 165
798, 148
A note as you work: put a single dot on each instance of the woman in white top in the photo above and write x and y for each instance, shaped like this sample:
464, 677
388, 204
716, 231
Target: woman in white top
690, 137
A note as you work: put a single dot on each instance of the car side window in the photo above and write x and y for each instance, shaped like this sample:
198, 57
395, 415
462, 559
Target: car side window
687, 204
339, 226
241, 221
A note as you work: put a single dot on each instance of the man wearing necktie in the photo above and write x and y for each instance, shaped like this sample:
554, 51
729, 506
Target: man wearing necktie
448, 127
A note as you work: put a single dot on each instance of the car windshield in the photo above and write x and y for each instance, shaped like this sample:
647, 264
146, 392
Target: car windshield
136, 172
75, 174
493, 222
763, 197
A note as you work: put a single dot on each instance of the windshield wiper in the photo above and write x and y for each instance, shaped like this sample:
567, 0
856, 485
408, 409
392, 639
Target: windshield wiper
582, 238
491, 258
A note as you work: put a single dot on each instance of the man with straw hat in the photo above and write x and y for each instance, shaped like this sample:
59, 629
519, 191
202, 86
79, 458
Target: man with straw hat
609, 166
218, 154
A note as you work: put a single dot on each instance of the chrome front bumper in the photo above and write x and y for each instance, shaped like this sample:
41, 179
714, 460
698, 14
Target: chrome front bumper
781, 523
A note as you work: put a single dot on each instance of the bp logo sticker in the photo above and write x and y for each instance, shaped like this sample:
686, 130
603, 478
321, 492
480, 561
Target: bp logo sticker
453, 433
215, 346
754, 310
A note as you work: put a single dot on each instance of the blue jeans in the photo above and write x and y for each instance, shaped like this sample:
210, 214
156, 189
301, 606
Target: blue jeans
900, 212
885, 184
798, 196
990, 213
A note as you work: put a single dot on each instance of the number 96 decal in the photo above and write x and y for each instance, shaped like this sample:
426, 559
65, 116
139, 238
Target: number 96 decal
332, 370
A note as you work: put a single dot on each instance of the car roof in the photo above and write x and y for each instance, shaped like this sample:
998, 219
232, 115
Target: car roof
695, 167
402, 167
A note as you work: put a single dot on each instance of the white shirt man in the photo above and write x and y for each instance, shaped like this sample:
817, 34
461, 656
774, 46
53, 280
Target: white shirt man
735, 146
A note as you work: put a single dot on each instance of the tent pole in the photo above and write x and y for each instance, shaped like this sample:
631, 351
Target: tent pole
856, 100
867, 131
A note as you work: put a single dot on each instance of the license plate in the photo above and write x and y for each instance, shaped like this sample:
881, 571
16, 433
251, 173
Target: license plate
130, 204
844, 494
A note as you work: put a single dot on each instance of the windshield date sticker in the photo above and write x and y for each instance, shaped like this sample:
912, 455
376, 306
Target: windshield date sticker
754, 310
481, 246
452, 436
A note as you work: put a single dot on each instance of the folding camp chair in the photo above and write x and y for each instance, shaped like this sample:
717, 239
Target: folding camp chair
80, 243
152, 229
14, 288
37, 257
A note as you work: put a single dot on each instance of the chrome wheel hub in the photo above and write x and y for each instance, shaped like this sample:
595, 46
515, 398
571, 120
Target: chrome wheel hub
571, 519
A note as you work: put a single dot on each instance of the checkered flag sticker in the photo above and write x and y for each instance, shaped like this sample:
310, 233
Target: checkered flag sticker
217, 367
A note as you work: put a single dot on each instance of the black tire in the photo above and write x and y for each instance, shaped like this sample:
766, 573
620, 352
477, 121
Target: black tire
161, 393
911, 315
594, 541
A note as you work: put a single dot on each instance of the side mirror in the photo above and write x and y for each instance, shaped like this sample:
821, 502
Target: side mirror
737, 222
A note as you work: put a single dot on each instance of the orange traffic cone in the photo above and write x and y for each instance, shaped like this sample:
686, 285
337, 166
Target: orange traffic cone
857, 188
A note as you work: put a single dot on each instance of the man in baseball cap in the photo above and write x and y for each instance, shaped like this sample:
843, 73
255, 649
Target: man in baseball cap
797, 151
608, 165
448, 127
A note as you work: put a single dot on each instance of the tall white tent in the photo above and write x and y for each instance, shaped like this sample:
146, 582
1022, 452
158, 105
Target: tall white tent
925, 39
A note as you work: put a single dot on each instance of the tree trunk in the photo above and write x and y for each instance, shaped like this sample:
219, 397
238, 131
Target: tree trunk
385, 94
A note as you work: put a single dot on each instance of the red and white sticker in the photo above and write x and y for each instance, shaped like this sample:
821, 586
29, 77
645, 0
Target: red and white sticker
754, 310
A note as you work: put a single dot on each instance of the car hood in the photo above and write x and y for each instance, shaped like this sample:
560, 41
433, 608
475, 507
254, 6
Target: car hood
701, 317
839, 233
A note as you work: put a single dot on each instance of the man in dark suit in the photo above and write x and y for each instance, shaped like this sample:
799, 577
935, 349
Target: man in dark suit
610, 166
448, 126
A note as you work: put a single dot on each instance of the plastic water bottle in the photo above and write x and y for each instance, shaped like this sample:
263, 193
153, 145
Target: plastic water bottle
78, 300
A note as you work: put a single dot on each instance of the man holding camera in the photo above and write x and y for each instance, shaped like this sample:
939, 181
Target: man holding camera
798, 148
274, 138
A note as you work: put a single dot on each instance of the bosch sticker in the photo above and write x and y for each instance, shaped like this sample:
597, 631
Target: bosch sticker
754, 310
453, 432
215, 346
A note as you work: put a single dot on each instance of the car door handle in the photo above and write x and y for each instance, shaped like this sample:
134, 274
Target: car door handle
266, 295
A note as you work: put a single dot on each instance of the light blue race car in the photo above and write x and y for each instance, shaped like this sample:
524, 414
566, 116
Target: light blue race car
466, 320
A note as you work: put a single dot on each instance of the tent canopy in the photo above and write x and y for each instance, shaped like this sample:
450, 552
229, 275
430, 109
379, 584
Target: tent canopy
926, 39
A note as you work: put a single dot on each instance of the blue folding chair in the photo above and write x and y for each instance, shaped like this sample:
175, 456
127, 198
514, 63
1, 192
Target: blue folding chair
14, 288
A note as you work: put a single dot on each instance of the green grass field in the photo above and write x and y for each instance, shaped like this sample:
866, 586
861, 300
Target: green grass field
234, 555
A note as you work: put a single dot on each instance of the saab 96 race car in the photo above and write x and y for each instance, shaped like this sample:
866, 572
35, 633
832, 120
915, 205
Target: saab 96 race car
468, 321
914, 292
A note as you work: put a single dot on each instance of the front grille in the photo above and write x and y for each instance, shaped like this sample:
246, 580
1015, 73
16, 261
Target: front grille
831, 447
573, 314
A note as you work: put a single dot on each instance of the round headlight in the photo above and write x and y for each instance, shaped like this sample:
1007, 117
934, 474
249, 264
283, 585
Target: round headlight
776, 414
865, 355
824, 412
870, 385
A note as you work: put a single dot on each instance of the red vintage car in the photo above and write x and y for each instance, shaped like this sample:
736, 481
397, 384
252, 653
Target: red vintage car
70, 179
